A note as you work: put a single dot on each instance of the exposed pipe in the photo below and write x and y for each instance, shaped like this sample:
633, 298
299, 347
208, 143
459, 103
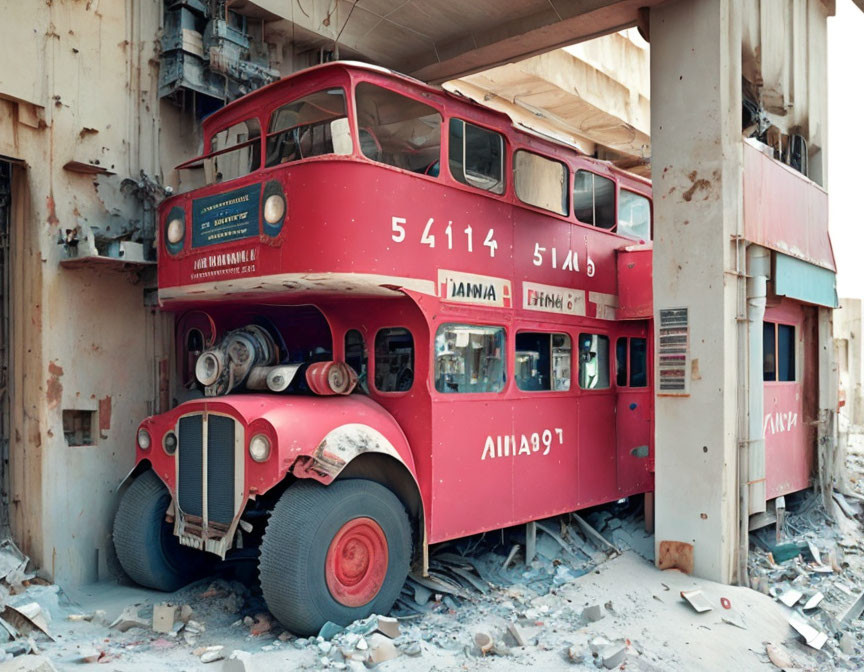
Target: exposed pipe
758, 271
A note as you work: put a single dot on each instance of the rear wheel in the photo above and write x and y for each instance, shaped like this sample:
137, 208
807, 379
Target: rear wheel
334, 553
145, 543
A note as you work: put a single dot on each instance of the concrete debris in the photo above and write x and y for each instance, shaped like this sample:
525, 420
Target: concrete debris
163, 617
613, 656
186, 613
813, 601
388, 626
484, 642
596, 538
27, 618
381, 648
811, 635
697, 600
847, 644
329, 630
128, 619
28, 664
516, 633
262, 624
593, 613
211, 654
790, 597
238, 661
779, 656
90, 654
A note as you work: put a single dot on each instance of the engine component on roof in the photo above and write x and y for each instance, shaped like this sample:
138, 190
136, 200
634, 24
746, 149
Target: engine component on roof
328, 378
228, 365
280, 377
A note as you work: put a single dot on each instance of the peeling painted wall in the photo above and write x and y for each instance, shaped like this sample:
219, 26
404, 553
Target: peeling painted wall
82, 87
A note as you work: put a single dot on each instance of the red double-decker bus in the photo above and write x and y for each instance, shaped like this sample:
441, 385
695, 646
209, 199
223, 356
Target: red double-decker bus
399, 320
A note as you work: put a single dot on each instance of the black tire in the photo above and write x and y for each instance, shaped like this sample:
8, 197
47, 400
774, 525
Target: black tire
301, 528
145, 543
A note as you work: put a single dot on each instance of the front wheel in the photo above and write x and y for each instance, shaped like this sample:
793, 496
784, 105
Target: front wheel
334, 553
145, 543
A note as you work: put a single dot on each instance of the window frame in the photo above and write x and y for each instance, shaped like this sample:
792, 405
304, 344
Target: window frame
615, 200
550, 334
373, 363
795, 355
566, 213
504, 155
609, 368
621, 188
506, 368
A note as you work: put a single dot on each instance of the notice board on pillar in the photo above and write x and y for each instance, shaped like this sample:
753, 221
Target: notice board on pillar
673, 352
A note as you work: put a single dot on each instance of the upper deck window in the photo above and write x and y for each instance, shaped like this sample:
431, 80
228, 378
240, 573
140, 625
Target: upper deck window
477, 156
594, 199
235, 151
541, 182
311, 126
634, 215
398, 131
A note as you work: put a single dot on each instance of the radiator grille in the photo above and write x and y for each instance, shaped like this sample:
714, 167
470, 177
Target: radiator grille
220, 469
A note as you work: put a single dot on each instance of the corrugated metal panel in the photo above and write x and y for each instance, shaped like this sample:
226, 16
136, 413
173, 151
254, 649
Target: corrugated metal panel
220, 469
805, 282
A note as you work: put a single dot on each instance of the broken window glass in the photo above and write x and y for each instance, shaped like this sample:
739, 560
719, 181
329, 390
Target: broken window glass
594, 199
542, 361
314, 125
397, 130
593, 361
469, 358
541, 182
394, 360
634, 216
234, 151
476, 156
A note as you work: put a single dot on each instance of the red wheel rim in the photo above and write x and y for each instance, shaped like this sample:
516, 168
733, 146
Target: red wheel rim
356, 563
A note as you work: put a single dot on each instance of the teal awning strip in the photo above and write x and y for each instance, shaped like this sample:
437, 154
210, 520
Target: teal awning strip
800, 280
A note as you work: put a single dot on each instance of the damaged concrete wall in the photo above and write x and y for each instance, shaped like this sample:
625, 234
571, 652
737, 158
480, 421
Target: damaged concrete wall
78, 84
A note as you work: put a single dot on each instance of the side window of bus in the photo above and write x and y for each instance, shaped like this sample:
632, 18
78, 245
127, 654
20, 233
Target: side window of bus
632, 372
394, 360
540, 182
593, 361
778, 352
469, 358
356, 357
237, 152
542, 361
476, 156
594, 199
634, 215
398, 131
311, 126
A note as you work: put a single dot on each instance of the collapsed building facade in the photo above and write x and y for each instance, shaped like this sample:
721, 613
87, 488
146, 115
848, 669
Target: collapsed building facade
106, 98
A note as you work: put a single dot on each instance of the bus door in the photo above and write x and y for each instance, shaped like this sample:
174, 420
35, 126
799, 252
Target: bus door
633, 412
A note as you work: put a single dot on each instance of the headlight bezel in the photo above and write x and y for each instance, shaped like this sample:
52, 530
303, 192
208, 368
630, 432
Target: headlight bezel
176, 213
169, 450
272, 189
143, 439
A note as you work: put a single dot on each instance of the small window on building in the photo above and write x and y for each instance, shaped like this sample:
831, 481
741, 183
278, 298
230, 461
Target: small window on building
769, 351
621, 362
394, 360
785, 353
398, 131
638, 362
542, 361
78, 427
541, 182
356, 357
634, 215
594, 199
476, 156
236, 151
314, 125
593, 361
469, 358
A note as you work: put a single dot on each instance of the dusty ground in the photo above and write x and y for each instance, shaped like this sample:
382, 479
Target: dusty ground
550, 603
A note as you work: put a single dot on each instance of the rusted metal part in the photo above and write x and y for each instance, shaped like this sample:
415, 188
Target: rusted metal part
54, 389
104, 414
338, 448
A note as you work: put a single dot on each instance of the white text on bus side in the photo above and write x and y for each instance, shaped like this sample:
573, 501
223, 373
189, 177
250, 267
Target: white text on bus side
397, 227
506, 446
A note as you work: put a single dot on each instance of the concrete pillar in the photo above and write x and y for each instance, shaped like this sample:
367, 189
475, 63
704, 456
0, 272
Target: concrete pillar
697, 168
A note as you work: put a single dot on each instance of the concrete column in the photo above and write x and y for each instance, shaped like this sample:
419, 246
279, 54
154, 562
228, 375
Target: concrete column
698, 265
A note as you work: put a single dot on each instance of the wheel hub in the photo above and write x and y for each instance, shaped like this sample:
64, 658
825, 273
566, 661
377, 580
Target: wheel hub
356, 563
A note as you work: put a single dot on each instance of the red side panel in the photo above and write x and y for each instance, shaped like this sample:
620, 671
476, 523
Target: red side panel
635, 298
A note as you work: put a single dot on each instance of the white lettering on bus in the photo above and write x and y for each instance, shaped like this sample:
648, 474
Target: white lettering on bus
223, 259
506, 445
398, 234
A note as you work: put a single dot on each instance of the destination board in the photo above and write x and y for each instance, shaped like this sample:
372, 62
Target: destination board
226, 217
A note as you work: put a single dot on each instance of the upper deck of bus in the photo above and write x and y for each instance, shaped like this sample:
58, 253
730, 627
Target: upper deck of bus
386, 182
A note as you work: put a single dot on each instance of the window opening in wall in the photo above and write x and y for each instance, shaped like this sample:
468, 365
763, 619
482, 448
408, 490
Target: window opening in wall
593, 361
356, 357
634, 215
235, 151
476, 156
594, 199
542, 361
398, 131
778, 352
314, 125
769, 351
394, 360
78, 427
540, 182
469, 358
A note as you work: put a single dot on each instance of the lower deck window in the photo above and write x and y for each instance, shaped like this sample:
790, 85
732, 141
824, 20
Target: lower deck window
631, 362
542, 361
469, 358
593, 361
394, 360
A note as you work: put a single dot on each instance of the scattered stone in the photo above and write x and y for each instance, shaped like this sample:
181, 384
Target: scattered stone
516, 634
599, 644
574, 653
186, 613
613, 656
779, 656
262, 625
212, 653
847, 643
77, 618
593, 613
285, 636
484, 642
412, 649
362, 644
129, 619
388, 626
790, 597
28, 663
381, 648
324, 647
90, 654
163, 617
330, 629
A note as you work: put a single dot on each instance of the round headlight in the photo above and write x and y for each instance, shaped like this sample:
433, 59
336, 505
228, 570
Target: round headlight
176, 230
143, 439
259, 448
207, 368
274, 209
170, 443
